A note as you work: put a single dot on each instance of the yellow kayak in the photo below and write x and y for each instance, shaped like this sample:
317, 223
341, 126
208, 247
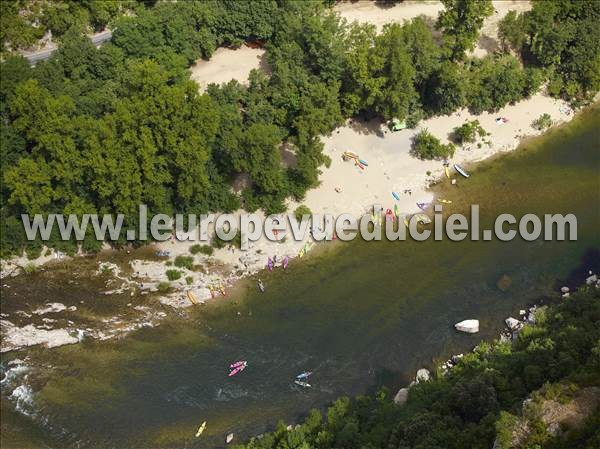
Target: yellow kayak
444, 201
201, 429
192, 298
447, 171
406, 221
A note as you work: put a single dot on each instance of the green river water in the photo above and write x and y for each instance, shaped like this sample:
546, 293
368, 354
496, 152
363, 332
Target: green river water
361, 315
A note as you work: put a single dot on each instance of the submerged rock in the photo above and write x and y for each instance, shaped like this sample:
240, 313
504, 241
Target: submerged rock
468, 326
504, 282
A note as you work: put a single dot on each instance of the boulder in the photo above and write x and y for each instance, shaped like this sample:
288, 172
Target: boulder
513, 324
423, 375
401, 397
468, 326
565, 289
591, 279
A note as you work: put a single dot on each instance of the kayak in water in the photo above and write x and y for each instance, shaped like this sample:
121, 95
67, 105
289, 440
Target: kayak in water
261, 286
201, 429
286, 261
236, 364
461, 170
239, 368
304, 375
302, 384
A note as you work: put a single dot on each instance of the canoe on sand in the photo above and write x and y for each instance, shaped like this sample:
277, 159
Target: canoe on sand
201, 429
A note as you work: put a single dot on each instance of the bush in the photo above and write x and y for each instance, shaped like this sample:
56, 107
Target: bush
219, 243
427, 146
184, 262
203, 249
542, 122
173, 275
301, 211
30, 268
164, 286
189, 280
468, 132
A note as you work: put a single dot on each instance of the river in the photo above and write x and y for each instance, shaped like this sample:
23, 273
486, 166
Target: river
360, 315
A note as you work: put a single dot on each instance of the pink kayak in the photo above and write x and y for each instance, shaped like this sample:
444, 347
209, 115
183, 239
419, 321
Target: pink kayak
236, 364
286, 260
238, 369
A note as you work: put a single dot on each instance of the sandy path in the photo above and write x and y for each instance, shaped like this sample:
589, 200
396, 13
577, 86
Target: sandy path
227, 64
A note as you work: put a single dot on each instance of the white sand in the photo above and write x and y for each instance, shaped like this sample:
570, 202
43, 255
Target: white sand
379, 15
227, 64
393, 169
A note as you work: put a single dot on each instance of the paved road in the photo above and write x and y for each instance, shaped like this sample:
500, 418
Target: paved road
97, 39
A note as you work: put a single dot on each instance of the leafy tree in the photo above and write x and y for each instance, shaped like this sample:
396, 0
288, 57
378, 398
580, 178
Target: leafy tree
460, 22
426, 146
468, 132
512, 31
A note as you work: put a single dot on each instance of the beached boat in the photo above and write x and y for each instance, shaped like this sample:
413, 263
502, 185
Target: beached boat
201, 429
286, 261
444, 201
362, 161
261, 286
461, 170
423, 206
229, 438
447, 171
191, 297
396, 196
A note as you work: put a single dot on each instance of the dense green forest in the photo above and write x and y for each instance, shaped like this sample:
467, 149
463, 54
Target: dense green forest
480, 400
102, 130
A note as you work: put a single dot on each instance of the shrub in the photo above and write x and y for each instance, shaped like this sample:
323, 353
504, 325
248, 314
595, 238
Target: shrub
189, 280
301, 211
164, 286
542, 122
427, 146
468, 132
173, 275
184, 262
219, 243
30, 268
203, 249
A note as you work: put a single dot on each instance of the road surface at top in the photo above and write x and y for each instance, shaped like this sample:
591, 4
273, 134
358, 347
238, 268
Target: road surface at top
97, 39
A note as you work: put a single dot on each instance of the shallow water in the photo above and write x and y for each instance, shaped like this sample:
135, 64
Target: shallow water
363, 315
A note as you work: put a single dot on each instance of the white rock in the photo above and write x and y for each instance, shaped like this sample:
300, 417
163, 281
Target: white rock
512, 323
591, 279
14, 337
423, 375
468, 326
53, 307
401, 397
565, 289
